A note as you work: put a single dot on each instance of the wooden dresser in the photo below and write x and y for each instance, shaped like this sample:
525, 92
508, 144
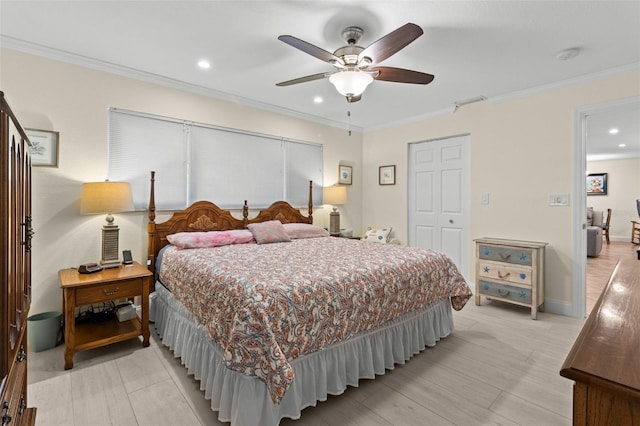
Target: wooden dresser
15, 268
511, 271
605, 359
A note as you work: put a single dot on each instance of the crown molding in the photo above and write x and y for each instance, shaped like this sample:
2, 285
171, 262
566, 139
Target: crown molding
517, 94
566, 83
88, 62
111, 68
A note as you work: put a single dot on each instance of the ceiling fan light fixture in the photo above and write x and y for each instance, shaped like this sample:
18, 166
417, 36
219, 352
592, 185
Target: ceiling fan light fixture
351, 83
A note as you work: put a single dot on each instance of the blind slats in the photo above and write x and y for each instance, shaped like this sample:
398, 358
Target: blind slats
196, 161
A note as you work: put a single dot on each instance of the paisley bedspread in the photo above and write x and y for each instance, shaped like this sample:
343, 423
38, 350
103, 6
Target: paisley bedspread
270, 303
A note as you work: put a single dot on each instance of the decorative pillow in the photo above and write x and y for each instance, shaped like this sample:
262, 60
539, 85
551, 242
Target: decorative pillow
189, 240
377, 235
269, 232
304, 230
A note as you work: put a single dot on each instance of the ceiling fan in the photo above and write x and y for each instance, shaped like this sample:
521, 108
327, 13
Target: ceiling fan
356, 65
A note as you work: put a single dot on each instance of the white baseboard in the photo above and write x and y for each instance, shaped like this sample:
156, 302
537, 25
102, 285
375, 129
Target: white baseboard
559, 307
623, 238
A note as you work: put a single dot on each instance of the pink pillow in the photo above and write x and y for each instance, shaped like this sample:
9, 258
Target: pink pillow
241, 236
188, 240
304, 230
269, 232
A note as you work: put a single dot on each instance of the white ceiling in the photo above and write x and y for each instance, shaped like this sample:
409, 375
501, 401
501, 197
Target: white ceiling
603, 145
476, 48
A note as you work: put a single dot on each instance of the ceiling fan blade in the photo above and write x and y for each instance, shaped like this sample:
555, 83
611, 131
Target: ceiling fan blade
305, 79
312, 50
400, 75
386, 46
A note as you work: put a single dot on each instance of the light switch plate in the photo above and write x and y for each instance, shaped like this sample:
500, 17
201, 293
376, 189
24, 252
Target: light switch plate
484, 198
559, 199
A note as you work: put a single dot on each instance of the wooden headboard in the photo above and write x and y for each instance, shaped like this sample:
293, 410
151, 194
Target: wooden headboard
205, 216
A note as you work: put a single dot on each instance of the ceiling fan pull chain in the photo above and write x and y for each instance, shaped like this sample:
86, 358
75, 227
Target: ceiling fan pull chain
349, 115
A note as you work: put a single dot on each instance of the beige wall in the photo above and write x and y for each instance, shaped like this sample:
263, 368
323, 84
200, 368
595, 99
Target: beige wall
72, 100
522, 150
623, 189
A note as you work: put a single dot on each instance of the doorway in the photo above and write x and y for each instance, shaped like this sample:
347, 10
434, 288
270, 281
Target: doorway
579, 209
438, 197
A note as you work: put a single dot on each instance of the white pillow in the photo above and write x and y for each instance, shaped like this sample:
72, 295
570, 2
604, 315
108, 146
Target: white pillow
377, 235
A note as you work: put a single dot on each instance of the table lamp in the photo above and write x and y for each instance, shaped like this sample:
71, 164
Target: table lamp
107, 197
335, 195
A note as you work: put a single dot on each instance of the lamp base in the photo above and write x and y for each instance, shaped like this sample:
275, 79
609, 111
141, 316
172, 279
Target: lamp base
334, 223
110, 257
106, 264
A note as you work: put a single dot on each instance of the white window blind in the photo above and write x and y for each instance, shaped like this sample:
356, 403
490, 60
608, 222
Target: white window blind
139, 144
195, 161
228, 168
303, 163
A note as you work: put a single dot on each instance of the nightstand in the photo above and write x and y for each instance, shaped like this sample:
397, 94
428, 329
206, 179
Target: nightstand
511, 271
344, 236
109, 284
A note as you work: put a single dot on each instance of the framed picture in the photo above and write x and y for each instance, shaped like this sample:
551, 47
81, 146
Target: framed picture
345, 175
597, 184
387, 175
44, 147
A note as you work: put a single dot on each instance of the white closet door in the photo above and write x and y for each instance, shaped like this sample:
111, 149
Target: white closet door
439, 197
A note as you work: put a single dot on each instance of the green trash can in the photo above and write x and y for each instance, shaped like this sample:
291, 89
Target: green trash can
44, 330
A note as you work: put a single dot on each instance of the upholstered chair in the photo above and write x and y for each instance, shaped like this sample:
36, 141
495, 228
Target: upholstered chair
594, 232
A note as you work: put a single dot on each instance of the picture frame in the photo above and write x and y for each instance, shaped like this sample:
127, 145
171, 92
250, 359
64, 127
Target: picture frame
45, 147
597, 184
387, 175
345, 175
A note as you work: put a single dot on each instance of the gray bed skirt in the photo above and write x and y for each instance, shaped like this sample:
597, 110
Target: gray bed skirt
244, 401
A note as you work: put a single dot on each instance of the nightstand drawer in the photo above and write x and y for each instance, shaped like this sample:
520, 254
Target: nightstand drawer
506, 272
108, 291
513, 255
505, 291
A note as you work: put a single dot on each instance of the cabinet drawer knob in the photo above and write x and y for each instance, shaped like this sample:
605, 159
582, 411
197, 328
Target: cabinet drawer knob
22, 355
503, 276
6, 418
110, 293
505, 256
503, 293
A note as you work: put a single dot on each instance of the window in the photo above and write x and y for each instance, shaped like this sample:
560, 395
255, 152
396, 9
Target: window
195, 161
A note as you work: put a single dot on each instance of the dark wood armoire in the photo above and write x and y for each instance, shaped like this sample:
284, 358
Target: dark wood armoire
15, 268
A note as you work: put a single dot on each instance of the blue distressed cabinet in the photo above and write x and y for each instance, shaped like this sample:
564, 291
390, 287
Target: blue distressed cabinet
511, 271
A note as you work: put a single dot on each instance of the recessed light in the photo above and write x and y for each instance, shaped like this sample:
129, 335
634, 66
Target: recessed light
317, 99
622, 145
204, 64
613, 131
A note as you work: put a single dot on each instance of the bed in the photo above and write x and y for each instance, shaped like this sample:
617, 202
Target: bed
272, 315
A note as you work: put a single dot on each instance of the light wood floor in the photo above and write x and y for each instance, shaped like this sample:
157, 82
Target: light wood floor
599, 268
498, 367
